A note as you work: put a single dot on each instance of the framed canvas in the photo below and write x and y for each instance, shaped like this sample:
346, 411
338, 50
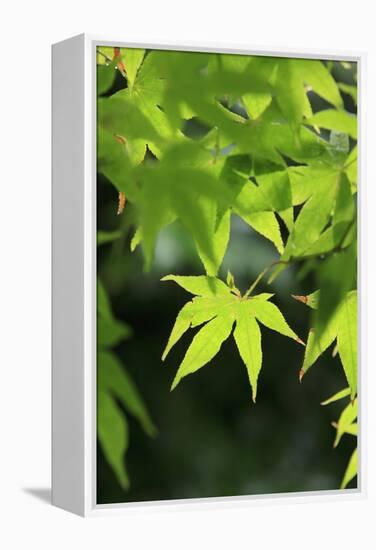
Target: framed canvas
206, 255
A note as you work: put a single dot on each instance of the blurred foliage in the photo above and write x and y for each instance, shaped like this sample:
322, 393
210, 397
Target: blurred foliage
216, 164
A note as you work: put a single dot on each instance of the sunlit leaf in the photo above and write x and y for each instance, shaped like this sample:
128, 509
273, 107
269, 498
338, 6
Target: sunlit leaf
291, 95
132, 59
276, 189
267, 225
316, 74
341, 121
345, 421
316, 345
256, 103
312, 218
337, 396
201, 285
220, 234
205, 345
288, 217
219, 305
348, 338
105, 55
105, 77
181, 325
351, 470
269, 315
352, 167
333, 288
248, 340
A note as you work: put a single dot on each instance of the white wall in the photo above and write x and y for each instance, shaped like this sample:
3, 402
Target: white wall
27, 30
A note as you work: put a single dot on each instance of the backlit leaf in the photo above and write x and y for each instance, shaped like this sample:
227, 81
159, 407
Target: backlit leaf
291, 95
267, 225
220, 234
316, 74
201, 285
182, 324
347, 339
351, 470
132, 59
345, 421
352, 168
248, 340
256, 103
276, 189
316, 345
337, 396
205, 345
105, 77
269, 315
333, 288
219, 306
312, 218
341, 121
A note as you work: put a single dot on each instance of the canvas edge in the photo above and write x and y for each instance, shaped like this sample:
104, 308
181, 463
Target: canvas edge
68, 380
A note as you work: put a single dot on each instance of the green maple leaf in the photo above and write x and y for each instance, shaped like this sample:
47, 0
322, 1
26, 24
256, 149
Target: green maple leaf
115, 385
185, 185
113, 435
351, 470
164, 88
132, 59
342, 326
220, 307
346, 424
326, 222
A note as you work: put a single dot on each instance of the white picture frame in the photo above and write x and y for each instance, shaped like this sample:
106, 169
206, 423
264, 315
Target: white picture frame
74, 280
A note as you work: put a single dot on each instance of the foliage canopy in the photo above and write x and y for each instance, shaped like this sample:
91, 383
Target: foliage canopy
262, 153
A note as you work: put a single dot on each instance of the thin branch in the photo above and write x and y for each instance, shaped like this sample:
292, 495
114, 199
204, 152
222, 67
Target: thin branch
297, 259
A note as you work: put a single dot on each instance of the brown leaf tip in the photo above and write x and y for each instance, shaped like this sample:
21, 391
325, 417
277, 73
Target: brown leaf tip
121, 204
120, 139
303, 299
300, 341
301, 374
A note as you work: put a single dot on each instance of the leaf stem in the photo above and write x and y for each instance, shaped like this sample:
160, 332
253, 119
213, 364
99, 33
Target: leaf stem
295, 260
257, 280
216, 149
104, 55
346, 166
